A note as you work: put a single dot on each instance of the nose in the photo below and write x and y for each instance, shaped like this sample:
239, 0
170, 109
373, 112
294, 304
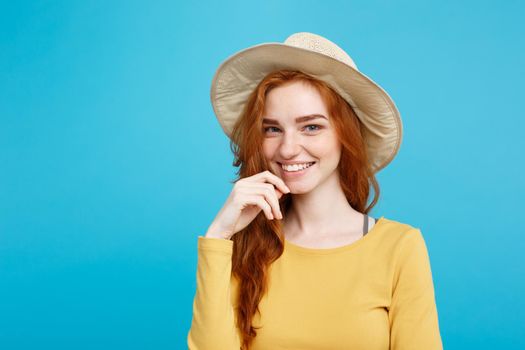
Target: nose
290, 146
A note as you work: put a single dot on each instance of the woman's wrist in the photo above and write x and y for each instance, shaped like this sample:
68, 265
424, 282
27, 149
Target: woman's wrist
215, 231
216, 235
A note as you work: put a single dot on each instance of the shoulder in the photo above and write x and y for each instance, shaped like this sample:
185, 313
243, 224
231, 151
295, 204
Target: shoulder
399, 234
397, 229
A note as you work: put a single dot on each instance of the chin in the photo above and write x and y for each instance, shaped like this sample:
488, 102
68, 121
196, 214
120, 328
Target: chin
300, 188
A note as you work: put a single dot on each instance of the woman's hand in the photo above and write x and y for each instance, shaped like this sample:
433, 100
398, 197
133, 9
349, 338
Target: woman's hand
248, 197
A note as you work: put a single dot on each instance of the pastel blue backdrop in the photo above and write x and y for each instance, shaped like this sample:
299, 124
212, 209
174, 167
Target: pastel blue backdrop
112, 162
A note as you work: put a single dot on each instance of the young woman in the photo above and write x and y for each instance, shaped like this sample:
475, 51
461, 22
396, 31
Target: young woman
292, 260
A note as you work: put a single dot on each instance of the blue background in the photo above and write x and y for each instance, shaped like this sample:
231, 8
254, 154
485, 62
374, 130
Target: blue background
112, 162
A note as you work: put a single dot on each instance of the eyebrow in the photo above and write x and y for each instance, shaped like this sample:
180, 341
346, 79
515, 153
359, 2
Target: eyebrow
297, 120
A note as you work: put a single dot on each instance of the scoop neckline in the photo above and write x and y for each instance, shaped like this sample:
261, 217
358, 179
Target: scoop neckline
323, 251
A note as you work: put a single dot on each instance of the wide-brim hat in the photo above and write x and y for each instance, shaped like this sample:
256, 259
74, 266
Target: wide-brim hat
239, 75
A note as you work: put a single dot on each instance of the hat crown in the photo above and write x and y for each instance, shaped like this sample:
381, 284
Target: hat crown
317, 43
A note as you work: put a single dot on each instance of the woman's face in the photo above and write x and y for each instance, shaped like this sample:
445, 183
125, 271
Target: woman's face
310, 139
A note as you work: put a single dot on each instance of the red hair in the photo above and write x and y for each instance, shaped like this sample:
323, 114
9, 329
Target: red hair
262, 241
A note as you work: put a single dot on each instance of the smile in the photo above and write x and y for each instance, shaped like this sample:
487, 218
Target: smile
296, 167
296, 171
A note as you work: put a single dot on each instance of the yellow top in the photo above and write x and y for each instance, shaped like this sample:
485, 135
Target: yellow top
376, 293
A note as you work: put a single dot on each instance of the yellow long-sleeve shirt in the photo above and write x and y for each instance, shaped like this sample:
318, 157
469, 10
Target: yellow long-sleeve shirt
376, 293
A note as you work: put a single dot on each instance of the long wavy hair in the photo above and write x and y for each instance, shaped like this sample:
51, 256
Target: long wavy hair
262, 241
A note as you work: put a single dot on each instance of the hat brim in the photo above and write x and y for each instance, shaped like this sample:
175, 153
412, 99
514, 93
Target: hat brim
239, 75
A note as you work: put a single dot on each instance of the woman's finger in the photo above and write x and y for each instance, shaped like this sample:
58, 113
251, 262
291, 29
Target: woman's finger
269, 192
271, 178
261, 203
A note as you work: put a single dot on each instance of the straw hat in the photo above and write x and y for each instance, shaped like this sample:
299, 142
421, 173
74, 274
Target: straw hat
317, 56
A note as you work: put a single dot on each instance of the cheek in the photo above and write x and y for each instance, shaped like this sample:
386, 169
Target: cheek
268, 149
325, 147
328, 152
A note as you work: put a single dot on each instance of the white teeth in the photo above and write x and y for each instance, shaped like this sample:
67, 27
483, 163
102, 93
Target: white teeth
296, 167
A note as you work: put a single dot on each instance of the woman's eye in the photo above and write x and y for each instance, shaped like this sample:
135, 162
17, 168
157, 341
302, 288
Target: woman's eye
318, 127
270, 127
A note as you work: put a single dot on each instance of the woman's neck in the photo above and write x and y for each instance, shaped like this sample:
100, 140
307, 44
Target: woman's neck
323, 211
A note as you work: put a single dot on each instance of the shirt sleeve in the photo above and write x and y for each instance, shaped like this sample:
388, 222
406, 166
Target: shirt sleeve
413, 313
213, 324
